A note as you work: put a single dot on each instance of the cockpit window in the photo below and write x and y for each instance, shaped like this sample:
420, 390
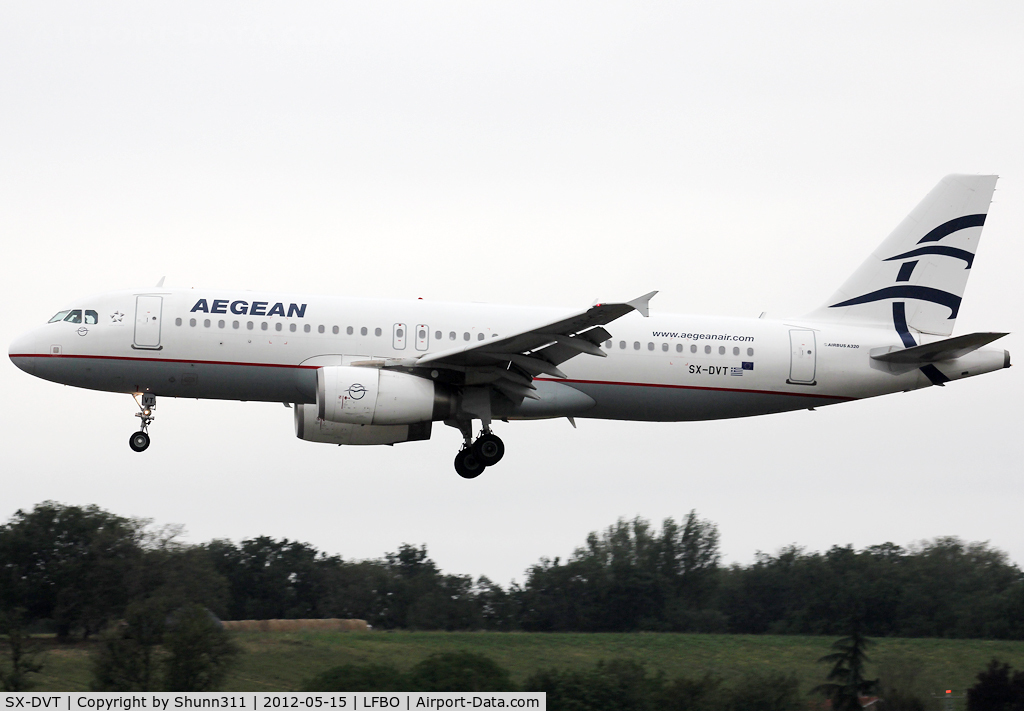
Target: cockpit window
74, 316
91, 316
58, 317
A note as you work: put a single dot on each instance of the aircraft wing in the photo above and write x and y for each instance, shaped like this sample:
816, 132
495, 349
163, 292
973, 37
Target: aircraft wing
510, 363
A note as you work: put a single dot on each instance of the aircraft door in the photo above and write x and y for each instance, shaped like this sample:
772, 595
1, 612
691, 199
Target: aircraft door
422, 336
400, 332
148, 312
803, 358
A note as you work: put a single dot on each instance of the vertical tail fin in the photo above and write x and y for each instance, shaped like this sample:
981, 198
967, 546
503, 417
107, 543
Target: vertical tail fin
916, 278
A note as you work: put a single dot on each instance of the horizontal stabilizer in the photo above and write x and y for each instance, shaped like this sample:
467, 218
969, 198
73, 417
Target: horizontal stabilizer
947, 349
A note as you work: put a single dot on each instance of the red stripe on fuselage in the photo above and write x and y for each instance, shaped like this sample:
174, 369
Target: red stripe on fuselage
552, 380
694, 387
161, 360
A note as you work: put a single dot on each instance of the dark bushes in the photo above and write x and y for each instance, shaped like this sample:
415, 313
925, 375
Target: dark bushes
447, 671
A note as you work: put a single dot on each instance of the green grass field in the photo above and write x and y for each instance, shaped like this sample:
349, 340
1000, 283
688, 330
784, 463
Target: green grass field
280, 661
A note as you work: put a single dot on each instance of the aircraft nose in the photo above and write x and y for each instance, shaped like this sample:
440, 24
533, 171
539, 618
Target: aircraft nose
21, 347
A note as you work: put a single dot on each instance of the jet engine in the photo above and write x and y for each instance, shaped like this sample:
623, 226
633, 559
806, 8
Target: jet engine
372, 396
356, 405
311, 428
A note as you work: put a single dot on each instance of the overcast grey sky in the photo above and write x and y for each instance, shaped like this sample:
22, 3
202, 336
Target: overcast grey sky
739, 157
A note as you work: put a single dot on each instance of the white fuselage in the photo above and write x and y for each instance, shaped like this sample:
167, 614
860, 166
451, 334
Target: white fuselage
668, 367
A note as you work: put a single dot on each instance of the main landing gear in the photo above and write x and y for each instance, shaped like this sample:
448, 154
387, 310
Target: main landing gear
139, 441
474, 457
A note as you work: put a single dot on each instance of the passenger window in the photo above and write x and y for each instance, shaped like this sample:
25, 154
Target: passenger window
320, 328
736, 351
263, 325
74, 316
347, 330
650, 346
451, 336
608, 345
277, 326
636, 345
707, 349
220, 324
465, 336
622, 344
750, 351
248, 325
206, 323
292, 327
335, 330
91, 317
437, 335
235, 325
177, 322
363, 331
306, 328
59, 316
679, 348
721, 350
479, 336
693, 348
664, 347
377, 332
192, 322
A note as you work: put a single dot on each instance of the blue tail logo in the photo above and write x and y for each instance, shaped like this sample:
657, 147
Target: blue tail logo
924, 293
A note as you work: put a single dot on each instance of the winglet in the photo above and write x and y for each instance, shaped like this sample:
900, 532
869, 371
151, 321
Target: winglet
640, 303
161, 282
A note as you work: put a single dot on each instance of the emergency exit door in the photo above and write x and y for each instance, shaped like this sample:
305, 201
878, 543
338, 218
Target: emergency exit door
400, 332
803, 357
147, 322
422, 336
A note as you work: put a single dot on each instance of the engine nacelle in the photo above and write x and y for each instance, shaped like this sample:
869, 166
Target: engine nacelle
311, 428
372, 396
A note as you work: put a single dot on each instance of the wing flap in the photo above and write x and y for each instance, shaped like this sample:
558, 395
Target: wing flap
532, 366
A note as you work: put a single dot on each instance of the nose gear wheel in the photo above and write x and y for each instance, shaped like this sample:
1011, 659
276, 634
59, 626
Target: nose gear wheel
139, 441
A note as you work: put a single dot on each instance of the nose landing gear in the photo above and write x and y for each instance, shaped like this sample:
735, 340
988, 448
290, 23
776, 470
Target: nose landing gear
139, 441
474, 457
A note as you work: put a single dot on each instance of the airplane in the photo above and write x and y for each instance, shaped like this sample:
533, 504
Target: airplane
381, 372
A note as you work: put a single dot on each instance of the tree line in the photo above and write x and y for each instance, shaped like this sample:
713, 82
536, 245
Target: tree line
73, 569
